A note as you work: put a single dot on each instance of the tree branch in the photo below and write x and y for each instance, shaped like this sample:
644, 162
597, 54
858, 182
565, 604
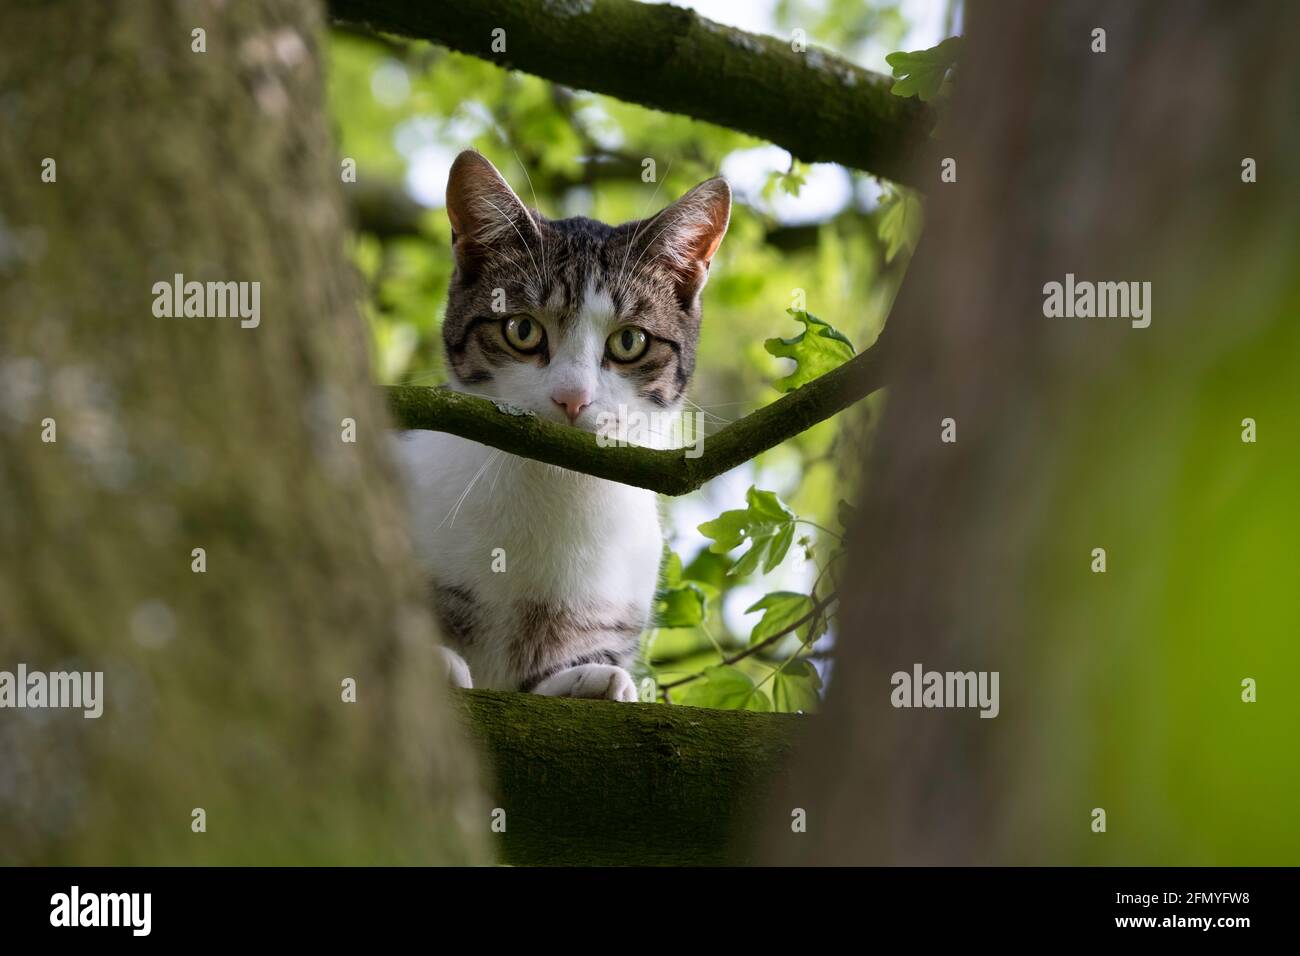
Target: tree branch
669, 471
586, 782
816, 105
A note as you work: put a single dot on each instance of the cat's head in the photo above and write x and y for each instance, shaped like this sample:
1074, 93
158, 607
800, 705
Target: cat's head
573, 319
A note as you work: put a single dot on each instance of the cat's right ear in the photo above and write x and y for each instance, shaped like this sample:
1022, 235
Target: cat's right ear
485, 213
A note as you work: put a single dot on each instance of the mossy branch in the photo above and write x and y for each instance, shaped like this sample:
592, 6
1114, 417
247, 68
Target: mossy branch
587, 782
816, 105
671, 471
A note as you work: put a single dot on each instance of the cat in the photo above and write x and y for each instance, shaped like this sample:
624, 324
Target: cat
543, 579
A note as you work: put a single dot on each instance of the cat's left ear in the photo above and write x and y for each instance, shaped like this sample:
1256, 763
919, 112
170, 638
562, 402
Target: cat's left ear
687, 234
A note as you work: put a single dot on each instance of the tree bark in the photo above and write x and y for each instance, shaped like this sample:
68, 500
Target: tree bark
1120, 690
816, 105
223, 688
587, 783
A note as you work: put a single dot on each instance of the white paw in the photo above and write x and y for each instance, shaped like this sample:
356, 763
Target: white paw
591, 681
457, 669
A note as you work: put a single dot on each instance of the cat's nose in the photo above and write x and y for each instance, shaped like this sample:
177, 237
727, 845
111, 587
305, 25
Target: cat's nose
572, 400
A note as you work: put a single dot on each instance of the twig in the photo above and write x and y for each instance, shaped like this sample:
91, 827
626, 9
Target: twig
755, 648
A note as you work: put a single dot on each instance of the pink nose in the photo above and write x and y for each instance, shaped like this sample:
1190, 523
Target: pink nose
572, 400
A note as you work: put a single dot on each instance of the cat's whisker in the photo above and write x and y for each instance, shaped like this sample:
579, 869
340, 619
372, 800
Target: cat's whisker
527, 249
536, 205
670, 220
469, 487
704, 411
619, 279
478, 477
723, 404
504, 459
518, 266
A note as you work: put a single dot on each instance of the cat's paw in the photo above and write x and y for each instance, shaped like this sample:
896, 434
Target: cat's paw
590, 681
457, 669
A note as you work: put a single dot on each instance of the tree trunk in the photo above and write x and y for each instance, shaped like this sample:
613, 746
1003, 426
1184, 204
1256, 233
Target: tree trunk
223, 688
1120, 690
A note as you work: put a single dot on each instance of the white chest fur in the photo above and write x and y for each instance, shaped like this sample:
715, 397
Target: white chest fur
516, 532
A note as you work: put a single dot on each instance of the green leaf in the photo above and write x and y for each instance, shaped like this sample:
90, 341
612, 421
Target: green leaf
767, 505
748, 562
901, 217
922, 72
727, 530
793, 180
709, 569
679, 603
816, 350
795, 687
765, 522
781, 609
725, 687
778, 546
685, 606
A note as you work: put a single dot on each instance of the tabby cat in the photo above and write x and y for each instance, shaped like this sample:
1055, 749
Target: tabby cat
542, 578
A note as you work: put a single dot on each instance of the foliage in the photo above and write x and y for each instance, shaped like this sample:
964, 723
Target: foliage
900, 226
726, 687
783, 612
928, 75
924, 73
816, 350
765, 522
791, 621
680, 603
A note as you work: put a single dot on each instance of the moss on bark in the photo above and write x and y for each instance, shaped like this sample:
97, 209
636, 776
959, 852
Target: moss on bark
597, 782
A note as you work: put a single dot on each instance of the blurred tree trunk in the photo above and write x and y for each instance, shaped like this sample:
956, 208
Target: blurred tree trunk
223, 689
1119, 690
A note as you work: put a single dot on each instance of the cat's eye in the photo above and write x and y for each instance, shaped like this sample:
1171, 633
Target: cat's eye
524, 333
627, 344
